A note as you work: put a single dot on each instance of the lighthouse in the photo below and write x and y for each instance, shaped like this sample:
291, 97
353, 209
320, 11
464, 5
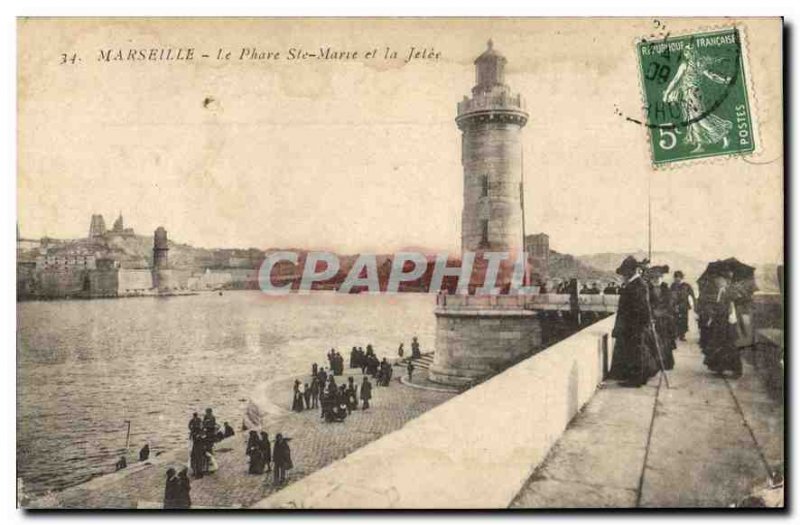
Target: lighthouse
477, 336
491, 121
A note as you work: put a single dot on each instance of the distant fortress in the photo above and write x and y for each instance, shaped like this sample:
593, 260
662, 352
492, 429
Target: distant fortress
118, 263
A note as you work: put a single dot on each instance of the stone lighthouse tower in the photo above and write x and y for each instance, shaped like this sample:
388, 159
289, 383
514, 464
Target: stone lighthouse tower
480, 335
160, 259
491, 154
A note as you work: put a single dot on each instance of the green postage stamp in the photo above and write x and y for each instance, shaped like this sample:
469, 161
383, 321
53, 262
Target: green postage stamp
695, 96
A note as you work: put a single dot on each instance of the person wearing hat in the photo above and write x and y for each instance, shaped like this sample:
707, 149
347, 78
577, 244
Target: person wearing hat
662, 308
634, 360
681, 292
722, 354
281, 458
171, 490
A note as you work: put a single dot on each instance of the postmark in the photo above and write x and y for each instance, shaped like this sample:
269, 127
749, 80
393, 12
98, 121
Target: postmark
695, 96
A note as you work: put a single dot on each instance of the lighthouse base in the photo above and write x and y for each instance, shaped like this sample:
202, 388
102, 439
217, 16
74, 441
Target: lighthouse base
474, 343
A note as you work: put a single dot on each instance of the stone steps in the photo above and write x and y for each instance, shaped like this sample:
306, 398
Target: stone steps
423, 362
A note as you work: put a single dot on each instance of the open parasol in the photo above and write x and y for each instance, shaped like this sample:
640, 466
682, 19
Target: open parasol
730, 266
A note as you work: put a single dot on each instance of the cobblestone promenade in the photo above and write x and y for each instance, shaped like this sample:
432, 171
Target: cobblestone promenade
314, 445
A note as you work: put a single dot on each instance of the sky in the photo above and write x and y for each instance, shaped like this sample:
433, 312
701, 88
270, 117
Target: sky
364, 155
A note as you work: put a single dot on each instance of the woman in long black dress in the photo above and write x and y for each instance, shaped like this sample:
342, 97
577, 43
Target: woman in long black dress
722, 354
171, 489
297, 399
254, 450
183, 498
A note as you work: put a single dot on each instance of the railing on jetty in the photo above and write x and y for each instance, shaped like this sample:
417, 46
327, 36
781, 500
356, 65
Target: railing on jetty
550, 302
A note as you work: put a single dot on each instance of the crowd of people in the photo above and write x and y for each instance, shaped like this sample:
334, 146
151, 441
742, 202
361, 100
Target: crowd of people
366, 360
320, 390
203, 434
177, 489
653, 315
568, 286
264, 456
337, 401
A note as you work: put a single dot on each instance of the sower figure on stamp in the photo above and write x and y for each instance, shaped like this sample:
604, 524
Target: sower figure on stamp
634, 359
681, 292
703, 126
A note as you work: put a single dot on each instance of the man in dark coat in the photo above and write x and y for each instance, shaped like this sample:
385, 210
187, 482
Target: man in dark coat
366, 392
634, 360
281, 458
195, 426
415, 351
352, 395
681, 291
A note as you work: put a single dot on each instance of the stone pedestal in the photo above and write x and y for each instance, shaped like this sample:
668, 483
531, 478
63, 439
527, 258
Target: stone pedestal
475, 342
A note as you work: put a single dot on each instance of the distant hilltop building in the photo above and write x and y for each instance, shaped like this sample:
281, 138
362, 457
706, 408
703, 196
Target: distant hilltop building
97, 228
120, 229
538, 247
